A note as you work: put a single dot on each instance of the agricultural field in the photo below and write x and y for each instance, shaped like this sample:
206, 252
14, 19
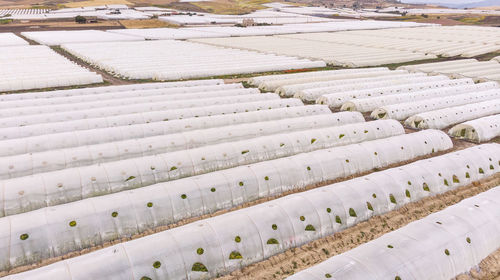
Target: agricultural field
295, 149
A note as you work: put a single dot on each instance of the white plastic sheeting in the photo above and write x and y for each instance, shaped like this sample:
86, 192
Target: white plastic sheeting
336, 96
10, 39
182, 118
31, 67
294, 117
471, 68
182, 100
282, 85
369, 104
176, 93
146, 208
293, 87
478, 130
168, 33
259, 80
62, 186
449, 116
173, 60
439, 246
402, 111
100, 90
22, 164
207, 248
133, 108
434, 40
334, 53
53, 38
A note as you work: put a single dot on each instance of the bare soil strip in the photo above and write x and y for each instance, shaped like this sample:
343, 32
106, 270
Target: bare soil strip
285, 264
488, 269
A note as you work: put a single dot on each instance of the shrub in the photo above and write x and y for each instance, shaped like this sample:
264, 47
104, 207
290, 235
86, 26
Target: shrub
352, 213
199, 267
310, 228
272, 241
235, 255
80, 19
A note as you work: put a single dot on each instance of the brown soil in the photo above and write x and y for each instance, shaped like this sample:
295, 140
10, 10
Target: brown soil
489, 269
285, 264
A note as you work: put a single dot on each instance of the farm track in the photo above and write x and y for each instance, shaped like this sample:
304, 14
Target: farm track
293, 260
458, 145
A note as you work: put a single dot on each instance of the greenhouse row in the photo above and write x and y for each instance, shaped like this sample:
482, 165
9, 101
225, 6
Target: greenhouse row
291, 87
183, 100
470, 68
56, 159
453, 103
279, 84
176, 93
210, 247
259, 123
113, 176
371, 103
333, 53
50, 96
53, 124
336, 95
425, 40
10, 39
446, 117
162, 107
439, 246
478, 130
173, 60
31, 67
54, 38
173, 201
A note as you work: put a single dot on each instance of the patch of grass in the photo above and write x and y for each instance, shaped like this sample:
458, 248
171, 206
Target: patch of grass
146, 23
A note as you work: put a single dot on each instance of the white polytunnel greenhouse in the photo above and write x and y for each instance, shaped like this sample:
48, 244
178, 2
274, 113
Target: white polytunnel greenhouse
371, 103
183, 117
134, 108
59, 37
80, 155
92, 222
107, 89
207, 248
182, 100
174, 60
440, 246
333, 53
443, 118
478, 70
332, 76
335, 97
10, 39
176, 93
292, 88
260, 80
174, 150
259, 123
36, 67
478, 130
313, 94
68, 185
402, 111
